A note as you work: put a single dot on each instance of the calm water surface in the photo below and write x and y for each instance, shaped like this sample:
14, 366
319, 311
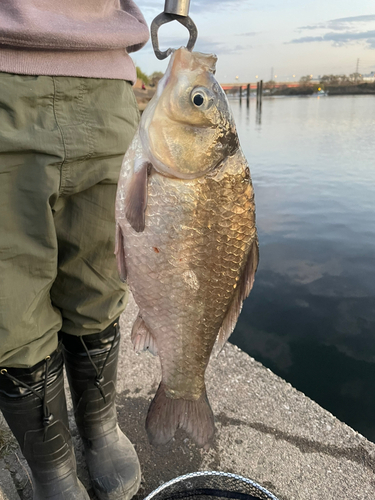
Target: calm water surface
311, 314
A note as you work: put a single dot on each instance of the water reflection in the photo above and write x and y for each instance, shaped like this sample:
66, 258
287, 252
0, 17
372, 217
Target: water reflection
311, 314
259, 116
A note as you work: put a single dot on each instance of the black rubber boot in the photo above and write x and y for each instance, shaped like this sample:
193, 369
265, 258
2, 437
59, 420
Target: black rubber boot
32, 401
91, 364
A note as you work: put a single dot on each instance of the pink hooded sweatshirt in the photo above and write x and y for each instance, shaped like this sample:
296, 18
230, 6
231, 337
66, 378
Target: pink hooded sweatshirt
87, 38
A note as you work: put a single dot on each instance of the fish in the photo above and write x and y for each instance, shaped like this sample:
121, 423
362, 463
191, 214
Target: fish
186, 239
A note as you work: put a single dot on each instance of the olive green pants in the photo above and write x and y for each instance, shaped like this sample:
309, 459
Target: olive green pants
62, 141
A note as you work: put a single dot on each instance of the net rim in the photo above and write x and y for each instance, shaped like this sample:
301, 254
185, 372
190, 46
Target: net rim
210, 473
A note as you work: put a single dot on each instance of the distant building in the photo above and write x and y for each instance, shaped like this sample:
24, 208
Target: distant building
370, 78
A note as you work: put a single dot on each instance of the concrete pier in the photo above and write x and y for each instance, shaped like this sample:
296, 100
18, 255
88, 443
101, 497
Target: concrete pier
266, 431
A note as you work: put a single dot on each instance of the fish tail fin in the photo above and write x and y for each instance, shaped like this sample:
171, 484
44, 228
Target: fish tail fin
166, 415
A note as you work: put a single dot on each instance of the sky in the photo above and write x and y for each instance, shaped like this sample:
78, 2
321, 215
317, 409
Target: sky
263, 37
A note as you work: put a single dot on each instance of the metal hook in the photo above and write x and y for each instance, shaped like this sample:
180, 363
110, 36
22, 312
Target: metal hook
167, 18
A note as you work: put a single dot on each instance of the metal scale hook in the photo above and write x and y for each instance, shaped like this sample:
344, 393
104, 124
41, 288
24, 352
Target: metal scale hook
174, 10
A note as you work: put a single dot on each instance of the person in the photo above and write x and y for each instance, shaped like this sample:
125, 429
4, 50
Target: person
67, 116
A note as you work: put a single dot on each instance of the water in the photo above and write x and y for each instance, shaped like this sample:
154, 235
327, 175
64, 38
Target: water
311, 315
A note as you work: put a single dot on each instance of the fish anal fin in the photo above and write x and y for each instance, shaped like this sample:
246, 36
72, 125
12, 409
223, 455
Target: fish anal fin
243, 289
136, 197
167, 414
120, 253
142, 338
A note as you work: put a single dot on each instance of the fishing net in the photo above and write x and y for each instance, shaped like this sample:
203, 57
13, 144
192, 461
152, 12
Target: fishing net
210, 485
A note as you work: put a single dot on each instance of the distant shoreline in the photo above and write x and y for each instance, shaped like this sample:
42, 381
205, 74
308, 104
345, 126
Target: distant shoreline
360, 89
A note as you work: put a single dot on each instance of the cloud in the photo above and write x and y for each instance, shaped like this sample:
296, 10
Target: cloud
340, 24
355, 19
307, 39
219, 48
203, 45
312, 27
250, 33
340, 38
341, 31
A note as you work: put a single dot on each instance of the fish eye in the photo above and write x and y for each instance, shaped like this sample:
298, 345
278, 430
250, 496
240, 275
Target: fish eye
198, 99
202, 98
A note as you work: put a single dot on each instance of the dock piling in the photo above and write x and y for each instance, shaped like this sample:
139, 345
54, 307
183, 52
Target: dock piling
259, 101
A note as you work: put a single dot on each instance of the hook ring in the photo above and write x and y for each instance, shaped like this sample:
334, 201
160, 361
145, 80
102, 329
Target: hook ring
164, 18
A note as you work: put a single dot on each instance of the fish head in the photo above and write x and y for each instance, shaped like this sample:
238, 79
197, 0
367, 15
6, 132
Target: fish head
188, 128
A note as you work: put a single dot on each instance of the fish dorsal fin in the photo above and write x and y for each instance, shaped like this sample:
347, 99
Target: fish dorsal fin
243, 289
142, 338
120, 253
136, 196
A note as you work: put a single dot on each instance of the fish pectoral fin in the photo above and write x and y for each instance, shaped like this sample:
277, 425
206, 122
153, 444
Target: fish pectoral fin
142, 338
167, 414
136, 197
120, 253
243, 289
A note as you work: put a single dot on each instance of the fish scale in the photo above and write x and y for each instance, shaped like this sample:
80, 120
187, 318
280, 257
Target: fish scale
214, 254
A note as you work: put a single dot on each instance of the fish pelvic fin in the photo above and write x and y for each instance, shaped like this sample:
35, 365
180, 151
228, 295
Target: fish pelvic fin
244, 288
136, 197
142, 338
120, 253
166, 415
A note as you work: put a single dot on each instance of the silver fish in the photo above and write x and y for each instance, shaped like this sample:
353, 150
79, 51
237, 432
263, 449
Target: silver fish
186, 238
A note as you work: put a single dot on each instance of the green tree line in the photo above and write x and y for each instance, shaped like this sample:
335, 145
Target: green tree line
151, 80
352, 79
